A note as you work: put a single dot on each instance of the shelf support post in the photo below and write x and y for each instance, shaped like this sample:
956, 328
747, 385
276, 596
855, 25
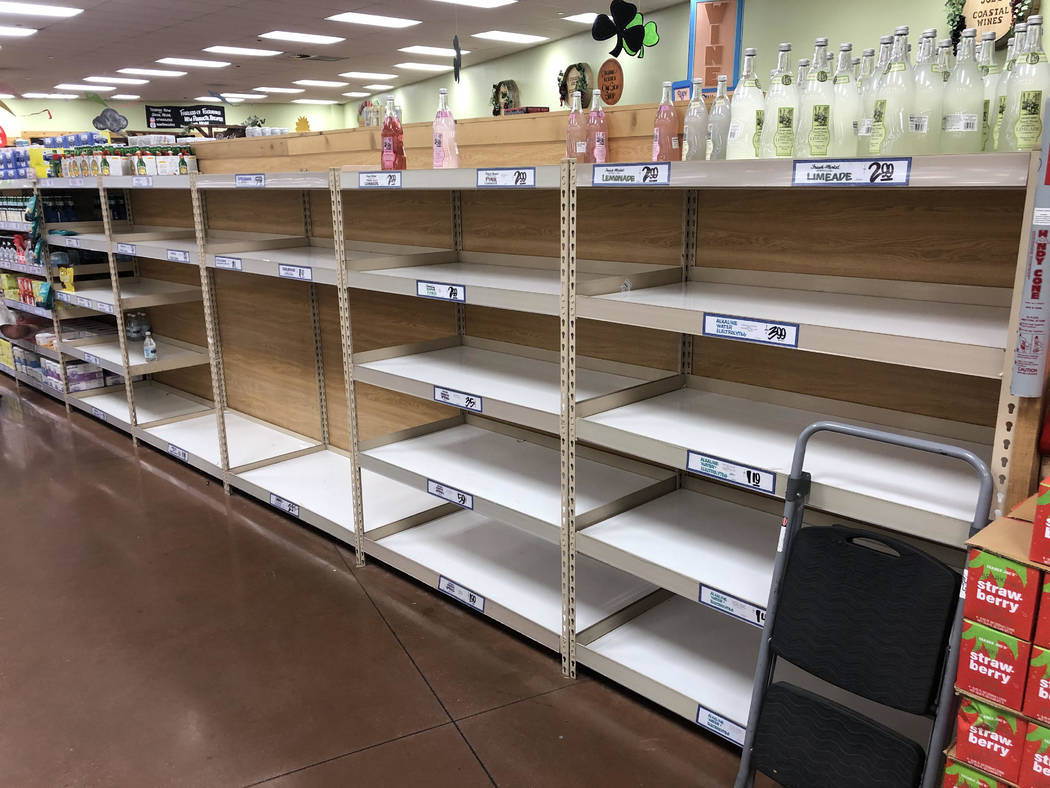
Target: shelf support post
347, 341
567, 364
49, 277
315, 316
690, 206
457, 245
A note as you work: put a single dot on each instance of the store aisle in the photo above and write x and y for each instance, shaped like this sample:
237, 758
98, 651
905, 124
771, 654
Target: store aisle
157, 632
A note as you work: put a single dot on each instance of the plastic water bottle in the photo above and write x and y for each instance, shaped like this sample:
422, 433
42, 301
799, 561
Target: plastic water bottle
149, 347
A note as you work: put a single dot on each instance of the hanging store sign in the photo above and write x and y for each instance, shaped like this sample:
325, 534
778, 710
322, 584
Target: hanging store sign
173, 117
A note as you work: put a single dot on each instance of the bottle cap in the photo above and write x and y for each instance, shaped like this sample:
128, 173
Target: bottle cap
443, 91
1020, 27
944, 43
886, 40
970, 32
821, 42
803, 61
901, 31
721, 78
855, 61
784, 47
667, 84
698, 80
845, 47
751, 51
576, 94
869, 52
1035, 20
988, 35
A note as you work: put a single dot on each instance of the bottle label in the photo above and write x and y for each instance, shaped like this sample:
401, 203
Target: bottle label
999, 112
785, 79
388, 153
751, 83
656, 145
841, 79
736, 130
878, 127
820, 132
820, 76
919, 124
960, 122
599, 147
674, 142
581, 146
864, 127
898, 66
784, 136
1033, 58
439, 152
984, 123
1028, 127
946, 74
760, 116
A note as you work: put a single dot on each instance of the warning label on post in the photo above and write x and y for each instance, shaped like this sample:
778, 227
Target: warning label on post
1033, 326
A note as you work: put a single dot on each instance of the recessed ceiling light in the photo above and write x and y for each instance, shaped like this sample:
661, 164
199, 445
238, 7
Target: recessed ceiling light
12, 95
125, 96
32, 9
50, 95
356, 94
423, 66
434, 51
188, 61
367, 75
314, 101
221, 50
242, 95
280, 90
302, 38
16, 32
380, 87
354, 18
213, 98
586, 19
480, 3
74, 86
151, 72
320, 83
117, 80
512, 38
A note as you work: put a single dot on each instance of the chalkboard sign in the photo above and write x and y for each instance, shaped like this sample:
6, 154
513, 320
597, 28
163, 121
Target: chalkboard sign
172, 117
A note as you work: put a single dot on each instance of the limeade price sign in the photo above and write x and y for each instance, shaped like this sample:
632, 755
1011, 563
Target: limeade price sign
852, 172
655, 174
732, 472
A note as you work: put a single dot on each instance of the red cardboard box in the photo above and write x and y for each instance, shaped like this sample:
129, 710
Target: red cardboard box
1042, 621
1037, 688
1040, 549
993, 665
959, 775
990, 739
1035, 758
1001, 593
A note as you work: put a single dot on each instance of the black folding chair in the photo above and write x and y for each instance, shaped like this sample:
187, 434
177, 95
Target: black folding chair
866, 613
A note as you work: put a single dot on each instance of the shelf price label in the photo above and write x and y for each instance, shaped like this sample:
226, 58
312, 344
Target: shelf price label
128, 249
462, 593
250, 180
228, 263
458, 398
284, 505
178, 256
655, 174
72, 243
178, 453
76, 183
442, 291
732, 472
751, 329
98, 414
142, 181
62, 295
302, 272
450, 494
730, 605
385, 179
107, 308
716, 723
506, 178
85, 302
852, 172
91, 358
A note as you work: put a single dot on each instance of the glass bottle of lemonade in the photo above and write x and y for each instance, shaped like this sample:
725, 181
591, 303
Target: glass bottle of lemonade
1013, 49
894, 101
748, 109
720, 121
963, 100
991, 71
924, 122
446, 152
871, 87
393, 140
694, 144
782, 107
814, 123
845, 106
1022, 127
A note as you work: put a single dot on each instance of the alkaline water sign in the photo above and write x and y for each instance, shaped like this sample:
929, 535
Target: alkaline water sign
852, 172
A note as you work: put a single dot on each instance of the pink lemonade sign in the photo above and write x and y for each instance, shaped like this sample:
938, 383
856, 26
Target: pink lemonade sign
715, 38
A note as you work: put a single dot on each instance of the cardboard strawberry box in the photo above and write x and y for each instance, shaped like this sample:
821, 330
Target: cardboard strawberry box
1035, 758
1042, 620
1037, 688
1040, 547
1001, 593
993, 665
959, 775
989, 739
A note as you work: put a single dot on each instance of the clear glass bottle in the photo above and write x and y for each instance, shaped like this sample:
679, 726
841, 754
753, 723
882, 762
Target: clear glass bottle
894, 98
1013, 49
694, 142
845, 106
446, 152
813, 135
393, 139
945, 58
748, 111
720, 121
576, 131
871, 87
963, 100
1022, 127
924, 122
782, 107
991, 71
597, 130
855, 69
867, 70
665, 129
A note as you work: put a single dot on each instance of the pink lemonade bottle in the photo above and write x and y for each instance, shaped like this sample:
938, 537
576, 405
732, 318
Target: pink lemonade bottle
393, 139
446, 152
665, 130
597, 130
576, 132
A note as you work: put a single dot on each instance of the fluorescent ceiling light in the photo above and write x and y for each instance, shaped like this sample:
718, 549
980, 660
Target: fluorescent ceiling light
585, 19
117, 80
280, 90
356, 94
214, 99
380, 87
367, 75
221, 50
423, 66
74, 86
242, 95
320, 83
32, 9
512, 38
354, 18
314, 101
16, 32
302, 38
432, 51
151, 72
479, 3
188, 61
125, 96
50, 95
11, 95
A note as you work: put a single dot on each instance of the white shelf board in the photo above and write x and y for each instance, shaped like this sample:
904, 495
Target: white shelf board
684, 539
153, 402
90, 182
17, 183
510, 568
915, 492
273, 180
515, 480
512, 388
96, 242
18, 227
146, 181
155, 242
23, 268
104, 350
964, 338
547, 176
135, 293
65, 311
267, 262
319, 483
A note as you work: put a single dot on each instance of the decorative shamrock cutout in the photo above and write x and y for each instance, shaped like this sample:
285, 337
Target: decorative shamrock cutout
633, 34
457, 59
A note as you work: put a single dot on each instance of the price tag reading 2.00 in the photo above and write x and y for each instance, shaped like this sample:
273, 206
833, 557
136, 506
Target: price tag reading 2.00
852, 172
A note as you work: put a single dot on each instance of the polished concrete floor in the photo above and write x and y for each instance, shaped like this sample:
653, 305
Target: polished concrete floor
154, 631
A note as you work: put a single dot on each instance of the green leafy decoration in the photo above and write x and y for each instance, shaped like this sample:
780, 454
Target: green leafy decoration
998, 567
650, 36
1040, 734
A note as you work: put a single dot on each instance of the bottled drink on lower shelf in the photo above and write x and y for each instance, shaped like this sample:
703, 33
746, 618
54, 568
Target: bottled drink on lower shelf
665, 129
894, 101
720, 121
446, 152
781, 112
991, 72
576, 131
748, 110
813, 135
870, 90
694, 143
845, 106
963, 101
1022, 126
393, 139
597, 130
149, 347
924, 121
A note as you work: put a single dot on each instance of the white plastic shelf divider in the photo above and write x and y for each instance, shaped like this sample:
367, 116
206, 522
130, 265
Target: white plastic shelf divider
318, 486
153, 402
104, 350
135, 293
686, 541
270, 180
505, 386
547, 176
902, 489
518, 575
514, 480
92, 241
